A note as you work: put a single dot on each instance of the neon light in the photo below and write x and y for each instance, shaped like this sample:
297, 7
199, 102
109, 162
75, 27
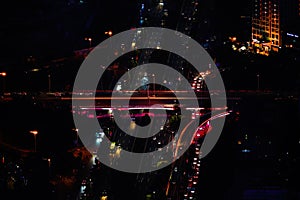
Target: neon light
292, 35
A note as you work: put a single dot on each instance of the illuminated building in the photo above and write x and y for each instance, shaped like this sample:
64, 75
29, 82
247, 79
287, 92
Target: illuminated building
180, 16
266, 29
275, 24
152, 13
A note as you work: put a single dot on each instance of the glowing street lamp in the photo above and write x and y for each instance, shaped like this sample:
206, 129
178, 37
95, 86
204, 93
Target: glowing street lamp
76, 130
108, 33
90, 40
49, 165
34, 132
153, 75
76, 136
3, 74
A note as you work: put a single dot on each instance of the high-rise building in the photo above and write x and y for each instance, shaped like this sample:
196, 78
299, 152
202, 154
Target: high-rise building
266, 26
177, 15
275, 24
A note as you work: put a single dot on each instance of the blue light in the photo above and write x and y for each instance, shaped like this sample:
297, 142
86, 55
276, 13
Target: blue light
246, 151
143, 6
292, 35
141, 21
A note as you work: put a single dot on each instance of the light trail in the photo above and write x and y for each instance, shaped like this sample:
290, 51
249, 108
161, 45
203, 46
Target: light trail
130, 98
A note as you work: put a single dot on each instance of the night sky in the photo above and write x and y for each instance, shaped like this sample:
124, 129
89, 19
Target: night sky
263, 94
50, 29
54, 28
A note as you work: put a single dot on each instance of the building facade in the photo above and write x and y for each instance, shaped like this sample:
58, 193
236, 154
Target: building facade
266, 26
275, 24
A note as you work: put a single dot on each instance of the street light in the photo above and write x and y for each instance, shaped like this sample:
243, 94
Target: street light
76, 130
108, 33
76, 136
49, 166
34, 132
3, 74
153, 75
90, 40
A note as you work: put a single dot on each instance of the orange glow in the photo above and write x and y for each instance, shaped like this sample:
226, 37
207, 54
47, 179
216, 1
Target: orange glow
3, 73
232, 39
34, 132
108, 33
